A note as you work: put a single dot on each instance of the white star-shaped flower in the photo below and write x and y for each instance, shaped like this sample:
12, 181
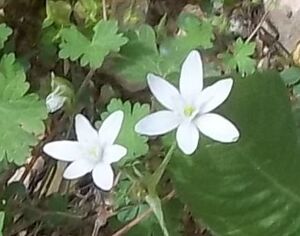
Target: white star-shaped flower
94, 151
189, 109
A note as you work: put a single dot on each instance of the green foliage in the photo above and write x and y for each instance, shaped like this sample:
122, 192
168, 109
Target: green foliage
147, 227
250, 187
172, 211
88, 10
155, 204
240, 57
15, 190
21, 114
296, 90
194, 32
2, 215
57, 205
75, 45
58, 12
141, 56
5, 31
127, 211
290, 75
131, 13
127, 214
245, 188
135, 144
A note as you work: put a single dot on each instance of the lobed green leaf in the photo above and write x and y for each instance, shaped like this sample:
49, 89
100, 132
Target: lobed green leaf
5, 31
75, 45
136, 144
21, 114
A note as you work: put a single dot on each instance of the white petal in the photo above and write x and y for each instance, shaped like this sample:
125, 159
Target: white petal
164, 92
110, 128
218, 128
103, 176
85, 132
78, 168
187, 137
157, 123
63, 150
114, 153
54, 102
191, 78
214, 95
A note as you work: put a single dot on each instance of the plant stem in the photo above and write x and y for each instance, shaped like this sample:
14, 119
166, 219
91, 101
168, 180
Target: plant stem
104, 10
85, 82
155, 178
141, 217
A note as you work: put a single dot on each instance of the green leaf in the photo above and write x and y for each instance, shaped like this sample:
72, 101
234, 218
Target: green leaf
2, 215
128, 214
58, 12
75, 45
250, 187
147, 227
15, 190
5, 31
173, 216
296, 89
57, 205
195, 32
291, 75
240, 58
139, 56
47, 45
136, 145
155, 204
172, 211
21, 115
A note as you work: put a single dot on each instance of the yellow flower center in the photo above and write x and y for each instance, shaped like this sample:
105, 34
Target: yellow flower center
188, 111
94, 152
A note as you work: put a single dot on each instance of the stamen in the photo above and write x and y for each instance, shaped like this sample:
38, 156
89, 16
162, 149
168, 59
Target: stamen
188, 111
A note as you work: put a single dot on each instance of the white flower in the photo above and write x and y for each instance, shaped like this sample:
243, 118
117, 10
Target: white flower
93, 152
55, 101
189, 109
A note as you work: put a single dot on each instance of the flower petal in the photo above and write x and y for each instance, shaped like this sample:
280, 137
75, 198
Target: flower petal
187, 137
157, 123
63, 150
54, 102
164, 92
191, 77
110, 128
114, 153
218, 128
78, 168
103, 176
84, 130
214, 95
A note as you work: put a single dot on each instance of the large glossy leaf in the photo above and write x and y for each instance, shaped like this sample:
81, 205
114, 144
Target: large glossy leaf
250, 188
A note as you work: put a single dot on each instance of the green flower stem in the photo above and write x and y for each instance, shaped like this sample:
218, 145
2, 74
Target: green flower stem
83, 85
104, 10
85, 82
155, 178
